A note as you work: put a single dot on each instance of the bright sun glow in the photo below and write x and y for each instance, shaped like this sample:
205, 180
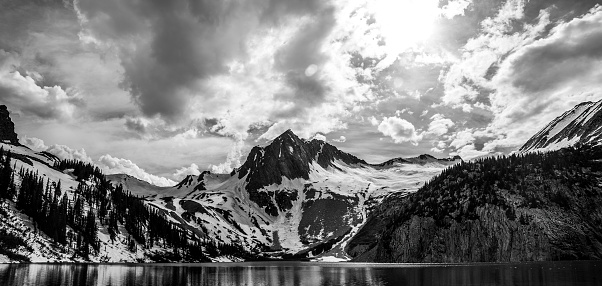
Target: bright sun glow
404, 23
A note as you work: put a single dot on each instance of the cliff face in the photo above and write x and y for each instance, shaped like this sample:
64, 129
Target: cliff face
491, 238
522, 208
7, 127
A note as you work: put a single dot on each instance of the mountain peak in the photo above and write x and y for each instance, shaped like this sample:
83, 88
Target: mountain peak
289, 137
7, 127
289, 156
581, 124
289, 132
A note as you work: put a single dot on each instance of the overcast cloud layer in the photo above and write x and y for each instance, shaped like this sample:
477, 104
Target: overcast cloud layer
164, 89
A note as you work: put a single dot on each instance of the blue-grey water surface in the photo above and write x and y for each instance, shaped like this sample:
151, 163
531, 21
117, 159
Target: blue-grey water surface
303, 273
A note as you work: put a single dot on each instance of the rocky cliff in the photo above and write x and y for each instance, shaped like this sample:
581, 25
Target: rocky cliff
521, 208
7, 127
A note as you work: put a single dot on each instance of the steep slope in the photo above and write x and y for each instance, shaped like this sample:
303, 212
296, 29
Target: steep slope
519, 208
580, 125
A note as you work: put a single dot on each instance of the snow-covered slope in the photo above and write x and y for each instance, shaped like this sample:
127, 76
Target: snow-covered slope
136, 186
39, 247
582, 124
291, 198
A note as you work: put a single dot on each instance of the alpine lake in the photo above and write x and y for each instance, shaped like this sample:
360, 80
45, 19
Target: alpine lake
304, 273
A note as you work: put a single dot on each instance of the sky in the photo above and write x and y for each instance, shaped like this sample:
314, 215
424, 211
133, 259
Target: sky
162, 89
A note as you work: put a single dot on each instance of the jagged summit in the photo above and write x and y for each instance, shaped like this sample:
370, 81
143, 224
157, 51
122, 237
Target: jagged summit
7, 127
582, 124
190, 180
291, 157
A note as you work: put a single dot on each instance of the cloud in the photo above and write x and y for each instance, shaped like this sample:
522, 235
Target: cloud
469, 152
455, 8
462, 138
61, 151
436, 150
542, 80
282, 64
108, 163
466, 81
573, 51
341, 139
138, 125
523, 75
439, 125
65, 152
24, 95
213, 39
33, 143
400, 130
320, 137
181, 173
373, 121
113, 165
233, 159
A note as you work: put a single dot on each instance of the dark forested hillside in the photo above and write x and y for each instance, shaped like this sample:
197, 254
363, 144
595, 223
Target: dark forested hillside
74, 219
537, 206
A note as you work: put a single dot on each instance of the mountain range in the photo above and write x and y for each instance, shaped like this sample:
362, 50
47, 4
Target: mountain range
306, 199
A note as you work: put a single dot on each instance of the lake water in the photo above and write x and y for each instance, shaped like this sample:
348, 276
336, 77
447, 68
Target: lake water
303, 273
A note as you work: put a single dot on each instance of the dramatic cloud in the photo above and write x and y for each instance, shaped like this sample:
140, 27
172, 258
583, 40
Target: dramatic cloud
439, 125
400, 130
547, 77
33, 143
233, 160
64, 152
24, 95
203, 82
112, 165
319, 137
524, 75
341, 139
61, 151
181, 173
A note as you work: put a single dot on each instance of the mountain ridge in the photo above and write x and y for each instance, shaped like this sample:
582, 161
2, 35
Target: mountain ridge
580, 125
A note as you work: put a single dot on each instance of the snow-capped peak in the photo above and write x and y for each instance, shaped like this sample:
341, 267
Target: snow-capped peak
289, 156
582, 124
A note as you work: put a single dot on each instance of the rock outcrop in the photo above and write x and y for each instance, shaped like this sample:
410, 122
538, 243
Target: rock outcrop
7, 127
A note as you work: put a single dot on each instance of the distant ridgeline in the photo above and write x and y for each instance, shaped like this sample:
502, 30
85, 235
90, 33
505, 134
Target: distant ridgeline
536, 206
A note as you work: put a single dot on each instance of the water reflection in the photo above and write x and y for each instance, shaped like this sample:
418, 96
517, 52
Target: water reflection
302, 274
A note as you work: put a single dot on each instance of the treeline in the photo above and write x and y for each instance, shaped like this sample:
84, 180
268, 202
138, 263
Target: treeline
7, 177
557, 178
68, 222
73, 220
81, 170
